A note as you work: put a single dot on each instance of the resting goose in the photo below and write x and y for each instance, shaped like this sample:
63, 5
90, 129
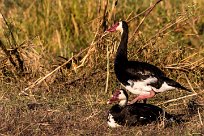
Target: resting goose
122, 114
140, 78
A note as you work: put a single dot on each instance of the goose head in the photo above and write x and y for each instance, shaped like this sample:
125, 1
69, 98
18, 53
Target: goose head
120, 26
119, 95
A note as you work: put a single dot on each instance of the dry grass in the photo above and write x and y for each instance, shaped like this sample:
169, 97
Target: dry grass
55, 96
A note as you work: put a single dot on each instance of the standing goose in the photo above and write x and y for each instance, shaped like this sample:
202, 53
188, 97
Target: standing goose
135, 114
140, 78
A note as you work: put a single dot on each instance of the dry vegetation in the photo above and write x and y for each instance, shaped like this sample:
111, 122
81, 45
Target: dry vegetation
42, 93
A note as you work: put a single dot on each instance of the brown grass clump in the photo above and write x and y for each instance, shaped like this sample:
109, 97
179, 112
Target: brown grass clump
68, 76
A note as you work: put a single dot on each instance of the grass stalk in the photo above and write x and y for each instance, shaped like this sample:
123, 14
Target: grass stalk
108, 69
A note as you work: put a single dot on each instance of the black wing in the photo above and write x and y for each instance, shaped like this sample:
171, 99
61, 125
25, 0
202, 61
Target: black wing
141, 70
174, 83
146, 111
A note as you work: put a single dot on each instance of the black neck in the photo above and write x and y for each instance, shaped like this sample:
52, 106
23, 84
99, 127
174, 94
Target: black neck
121, 55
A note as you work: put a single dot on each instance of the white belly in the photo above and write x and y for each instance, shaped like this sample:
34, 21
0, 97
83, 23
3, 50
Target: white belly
139, 91
143, 88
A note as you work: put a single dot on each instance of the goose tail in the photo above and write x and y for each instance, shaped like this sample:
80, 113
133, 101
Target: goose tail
175, 84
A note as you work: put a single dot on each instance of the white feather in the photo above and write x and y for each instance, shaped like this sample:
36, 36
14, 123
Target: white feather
120, 27
111, 122
143, 88
164, 87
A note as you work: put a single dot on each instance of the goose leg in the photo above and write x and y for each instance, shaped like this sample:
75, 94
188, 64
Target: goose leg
142, 97
145, 101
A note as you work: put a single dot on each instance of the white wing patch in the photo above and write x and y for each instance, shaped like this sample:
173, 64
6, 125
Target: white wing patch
164, 87
141, 87
111, 122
